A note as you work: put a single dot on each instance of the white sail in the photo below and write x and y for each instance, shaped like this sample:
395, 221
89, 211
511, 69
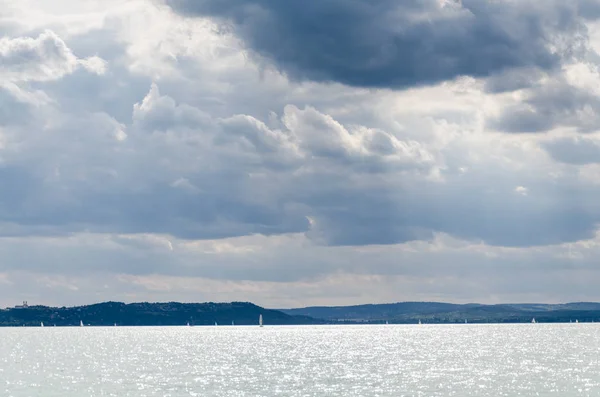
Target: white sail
216, 324
260, 320
533, 320
80, 323
188, 324
419, 322
42, 324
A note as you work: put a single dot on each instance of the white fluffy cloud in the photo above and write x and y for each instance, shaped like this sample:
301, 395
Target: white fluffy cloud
43, 58
175, 163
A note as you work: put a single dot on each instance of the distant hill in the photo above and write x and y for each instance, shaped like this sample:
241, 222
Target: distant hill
245, 313
172, 313
435, 312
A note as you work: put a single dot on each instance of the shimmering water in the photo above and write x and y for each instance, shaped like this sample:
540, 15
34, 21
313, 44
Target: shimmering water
393, 360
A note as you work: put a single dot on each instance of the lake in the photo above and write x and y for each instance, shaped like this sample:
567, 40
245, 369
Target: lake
343, 360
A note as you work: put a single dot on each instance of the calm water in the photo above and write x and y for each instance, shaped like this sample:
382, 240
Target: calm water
394, 360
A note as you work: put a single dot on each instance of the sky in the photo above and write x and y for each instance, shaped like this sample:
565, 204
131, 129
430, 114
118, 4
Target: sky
296, 153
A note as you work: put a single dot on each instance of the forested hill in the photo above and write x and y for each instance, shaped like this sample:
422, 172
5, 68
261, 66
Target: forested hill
243, 313
172, 313
435, 312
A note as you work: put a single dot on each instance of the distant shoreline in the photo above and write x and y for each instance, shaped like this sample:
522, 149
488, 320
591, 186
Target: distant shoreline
246, 313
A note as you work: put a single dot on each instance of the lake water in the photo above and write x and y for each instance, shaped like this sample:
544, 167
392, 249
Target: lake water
393, 360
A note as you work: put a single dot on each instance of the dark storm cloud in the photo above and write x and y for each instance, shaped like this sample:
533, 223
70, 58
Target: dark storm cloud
395, 44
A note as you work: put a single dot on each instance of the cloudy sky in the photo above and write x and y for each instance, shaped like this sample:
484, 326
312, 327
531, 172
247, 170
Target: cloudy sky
295, 153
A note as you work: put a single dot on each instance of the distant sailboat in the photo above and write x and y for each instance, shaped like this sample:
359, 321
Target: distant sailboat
232, 323
216, 324
577, 321
42, 324
386, 322
188, 324
80, 323
115, 324
260, 320
419, 322
533, 320
465, 321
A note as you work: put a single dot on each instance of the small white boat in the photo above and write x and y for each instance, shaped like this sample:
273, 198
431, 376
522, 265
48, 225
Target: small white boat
386, 322
188, 324
419, 322
216, 324
260, 320
80, 323
42, 324
533, 320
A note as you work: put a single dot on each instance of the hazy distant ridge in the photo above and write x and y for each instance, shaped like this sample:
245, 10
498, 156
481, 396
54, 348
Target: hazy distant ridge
408, 312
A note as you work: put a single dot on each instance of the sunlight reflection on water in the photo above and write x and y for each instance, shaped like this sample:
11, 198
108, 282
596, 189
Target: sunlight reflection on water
392, 360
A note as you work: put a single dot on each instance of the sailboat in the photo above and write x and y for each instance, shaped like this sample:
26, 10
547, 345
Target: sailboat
216, 324
419, 322
260, 320
42, 324
80, 323
576, 321
188, 324
386, 322
232, 323
533, 320
465, 321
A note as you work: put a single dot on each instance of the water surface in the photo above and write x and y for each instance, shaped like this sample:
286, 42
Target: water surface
387, 360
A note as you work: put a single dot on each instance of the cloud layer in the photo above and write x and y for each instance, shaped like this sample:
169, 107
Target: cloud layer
299, 153
400, 44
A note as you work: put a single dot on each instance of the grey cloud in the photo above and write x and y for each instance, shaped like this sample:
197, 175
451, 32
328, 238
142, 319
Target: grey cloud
548, 105
513, 79
414, 210
400, 44
12, 110
114, 91
444, 265
577, 150
359, 186
169, 167
323, 170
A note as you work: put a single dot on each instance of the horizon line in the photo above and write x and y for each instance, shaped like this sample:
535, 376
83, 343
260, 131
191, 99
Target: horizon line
25, 304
